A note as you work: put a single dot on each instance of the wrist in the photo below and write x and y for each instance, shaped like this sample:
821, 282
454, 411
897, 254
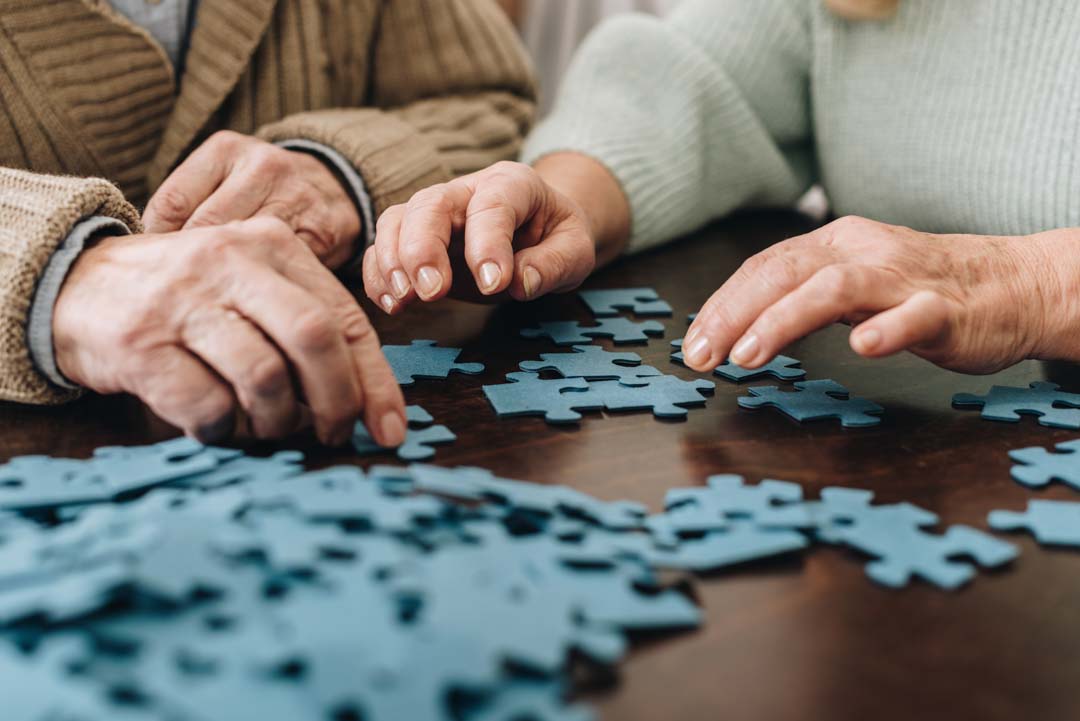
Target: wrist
1051, 291
592, 187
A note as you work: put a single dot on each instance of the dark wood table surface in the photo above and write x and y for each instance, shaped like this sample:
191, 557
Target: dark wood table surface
805, 638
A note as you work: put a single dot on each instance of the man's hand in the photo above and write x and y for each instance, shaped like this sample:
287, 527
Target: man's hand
499, 230
198, 322
969, 303
235, 177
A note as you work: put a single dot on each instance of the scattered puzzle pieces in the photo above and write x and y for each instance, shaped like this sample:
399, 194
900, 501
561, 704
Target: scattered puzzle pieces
592, 363
781, 367
816, 400
666, 396
420, 436
1038, 466
1055, 408
620, 330
641, 301
422, 359
558, 400
1054, 523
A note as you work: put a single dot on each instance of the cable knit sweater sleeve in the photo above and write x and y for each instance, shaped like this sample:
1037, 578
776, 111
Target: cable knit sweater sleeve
37, 212
696, 115
452, 92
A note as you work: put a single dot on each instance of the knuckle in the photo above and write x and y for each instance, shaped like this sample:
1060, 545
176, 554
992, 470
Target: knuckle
269, 159
226, 139
389, 219
781, 271
355, 325
313, 330
266, 376
171, 204
838, 283
434, 199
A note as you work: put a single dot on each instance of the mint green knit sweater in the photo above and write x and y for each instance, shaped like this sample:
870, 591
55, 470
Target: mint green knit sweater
953, 116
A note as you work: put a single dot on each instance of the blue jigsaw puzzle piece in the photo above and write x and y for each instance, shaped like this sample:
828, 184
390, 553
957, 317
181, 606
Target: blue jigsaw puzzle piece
1054, 523
422, 359
666, 396
557, 400
815, 400
1038, 466
781, 367
640, 301
530, 700
592, 363
619, 330
420, 436
1054, 407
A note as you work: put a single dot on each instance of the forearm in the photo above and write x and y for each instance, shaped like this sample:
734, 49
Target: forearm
589, 184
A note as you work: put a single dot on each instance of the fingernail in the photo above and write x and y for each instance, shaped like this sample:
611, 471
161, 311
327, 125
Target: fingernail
399, 282
745, 350
531, 280
393, 429
429, 280
696, 349
490, 275
387, 302
867, 339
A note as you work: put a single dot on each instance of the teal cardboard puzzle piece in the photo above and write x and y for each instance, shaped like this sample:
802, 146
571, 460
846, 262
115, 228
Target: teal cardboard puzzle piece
640, 301
619, 330
420, 437
1053, 407
816, 400
1037, 467
558, 400
423, 359
592, 363
781, 367
1055, 523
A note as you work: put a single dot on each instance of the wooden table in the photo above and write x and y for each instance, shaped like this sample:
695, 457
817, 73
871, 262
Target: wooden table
801, 639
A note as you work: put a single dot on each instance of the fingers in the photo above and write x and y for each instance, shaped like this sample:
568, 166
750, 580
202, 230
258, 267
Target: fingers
244, 358
182, 391
920, 320
505, 199
833, 293
760, 282
239, 197
375, 286
427, 225
559, 263
193, 181
388, 264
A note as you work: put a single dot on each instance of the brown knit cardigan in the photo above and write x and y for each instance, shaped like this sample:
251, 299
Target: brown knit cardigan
413, 92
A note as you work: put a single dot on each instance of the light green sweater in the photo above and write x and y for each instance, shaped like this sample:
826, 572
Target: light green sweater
954, 116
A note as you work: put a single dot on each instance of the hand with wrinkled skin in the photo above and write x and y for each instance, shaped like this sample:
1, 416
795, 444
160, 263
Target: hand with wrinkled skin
502, 231
974, 304
203, 323
236, 177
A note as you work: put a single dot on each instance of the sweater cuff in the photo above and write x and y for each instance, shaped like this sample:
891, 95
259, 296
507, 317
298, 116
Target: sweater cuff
354, 186
39, 336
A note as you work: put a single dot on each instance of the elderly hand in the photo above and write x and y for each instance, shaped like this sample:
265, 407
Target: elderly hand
969, 303
235, 177
198, 322
515, 234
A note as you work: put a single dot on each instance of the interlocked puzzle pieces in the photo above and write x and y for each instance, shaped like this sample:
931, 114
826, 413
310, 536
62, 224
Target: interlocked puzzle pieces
816, 400
1052, 522
641, 301
420, 436
1038, 466
1054, 407
666, 396
592, 363
620, 330
422, 359
781, 367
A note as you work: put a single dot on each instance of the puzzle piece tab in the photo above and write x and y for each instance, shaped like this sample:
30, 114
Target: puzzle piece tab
666, 396
420, 436
422, 359
816, 400
592, 363
781, 367
1038, 466
1054, 523
558, 399
1055, 408
641, 301
620, 330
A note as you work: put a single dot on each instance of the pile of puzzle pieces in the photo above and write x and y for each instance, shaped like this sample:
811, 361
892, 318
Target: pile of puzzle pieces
179, 581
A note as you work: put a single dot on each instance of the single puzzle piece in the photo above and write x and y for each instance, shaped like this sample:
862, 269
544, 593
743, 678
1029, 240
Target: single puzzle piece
422, 359
664, 395
1039, 466
420, 436
620, 330
895, 535
592, 363
557, 399
726, 497
781, 367
816, 400
1054, 407
641, 301
1054, 523
530, 700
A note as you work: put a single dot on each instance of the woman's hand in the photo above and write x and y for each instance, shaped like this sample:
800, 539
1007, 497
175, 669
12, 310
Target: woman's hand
235, 177
502, 230
200, 322
968, 303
